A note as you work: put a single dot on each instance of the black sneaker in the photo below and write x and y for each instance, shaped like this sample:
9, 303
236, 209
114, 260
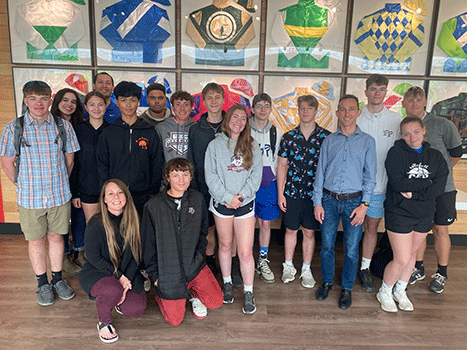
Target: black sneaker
417, 275
437, 284
367, 281
249, 306
228, 293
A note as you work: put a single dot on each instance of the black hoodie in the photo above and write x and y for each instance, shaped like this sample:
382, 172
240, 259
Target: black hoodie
424, 174
132, 154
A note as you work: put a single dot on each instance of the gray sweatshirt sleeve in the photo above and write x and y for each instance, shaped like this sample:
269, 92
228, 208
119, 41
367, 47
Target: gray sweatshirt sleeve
216, 184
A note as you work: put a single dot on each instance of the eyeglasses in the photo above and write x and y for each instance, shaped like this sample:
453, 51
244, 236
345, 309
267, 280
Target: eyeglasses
414, 88
36, 82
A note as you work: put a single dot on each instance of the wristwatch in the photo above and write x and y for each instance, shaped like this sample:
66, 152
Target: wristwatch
366, 204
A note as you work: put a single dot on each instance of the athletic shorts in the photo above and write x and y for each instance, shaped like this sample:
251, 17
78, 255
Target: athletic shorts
243, 212
376, 208
35, 223
300, 212
403, 224
89, 198
266, 206
446, 209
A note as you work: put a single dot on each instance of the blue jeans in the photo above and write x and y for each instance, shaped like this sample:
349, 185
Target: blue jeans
78, 225
334, 210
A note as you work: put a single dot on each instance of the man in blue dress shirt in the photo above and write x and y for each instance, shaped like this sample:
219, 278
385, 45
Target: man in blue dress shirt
344, 183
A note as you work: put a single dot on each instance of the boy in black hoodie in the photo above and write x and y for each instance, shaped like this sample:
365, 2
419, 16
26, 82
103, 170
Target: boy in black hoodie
130, 149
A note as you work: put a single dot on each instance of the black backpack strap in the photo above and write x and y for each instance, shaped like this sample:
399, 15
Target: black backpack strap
18, 139
61, 132
273, 138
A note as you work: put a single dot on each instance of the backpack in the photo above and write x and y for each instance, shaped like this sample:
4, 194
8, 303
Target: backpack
19, 140
273, 138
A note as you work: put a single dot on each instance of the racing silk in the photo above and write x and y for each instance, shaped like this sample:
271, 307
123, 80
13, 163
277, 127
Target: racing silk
136, 30
453, 41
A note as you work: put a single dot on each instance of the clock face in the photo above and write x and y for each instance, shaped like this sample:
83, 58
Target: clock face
221, 27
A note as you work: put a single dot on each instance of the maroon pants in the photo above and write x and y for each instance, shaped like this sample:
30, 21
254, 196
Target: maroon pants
204, 287
108, 291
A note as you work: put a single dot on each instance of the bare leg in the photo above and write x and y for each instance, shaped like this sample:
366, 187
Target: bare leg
442, 244
245, 232
37, 253
225, 235
56, 250
90, 209
264, 232
402, 250
418, 239
290, 242
308, 245
421, 251
211, 237
370, 236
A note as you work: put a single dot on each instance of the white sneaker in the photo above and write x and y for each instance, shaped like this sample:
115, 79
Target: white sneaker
288, 273
263, 269
386, 301
199, 310
307, 278
404, 303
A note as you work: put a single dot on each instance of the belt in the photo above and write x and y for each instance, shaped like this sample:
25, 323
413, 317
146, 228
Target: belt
343, 196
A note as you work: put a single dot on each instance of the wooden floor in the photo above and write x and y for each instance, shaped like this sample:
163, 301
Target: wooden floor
288, 315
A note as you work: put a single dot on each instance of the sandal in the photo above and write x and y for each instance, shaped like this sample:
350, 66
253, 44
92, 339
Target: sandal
117, 308
100, 326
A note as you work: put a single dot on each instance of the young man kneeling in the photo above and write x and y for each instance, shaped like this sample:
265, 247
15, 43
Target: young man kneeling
174, 229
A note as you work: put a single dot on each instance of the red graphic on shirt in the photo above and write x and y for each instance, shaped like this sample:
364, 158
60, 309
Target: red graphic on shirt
142, 142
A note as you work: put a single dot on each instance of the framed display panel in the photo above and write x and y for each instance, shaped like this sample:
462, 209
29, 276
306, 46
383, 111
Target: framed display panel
450, 49
143, 79
221, 34
50, 32
448, 99
390, 38
238, 89
78, 80
305, 35
395, 92
136, 32
284, 91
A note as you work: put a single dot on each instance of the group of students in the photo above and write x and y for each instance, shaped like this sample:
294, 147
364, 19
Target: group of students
219, 175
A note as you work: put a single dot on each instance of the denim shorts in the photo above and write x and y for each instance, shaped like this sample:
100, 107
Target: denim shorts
376, 208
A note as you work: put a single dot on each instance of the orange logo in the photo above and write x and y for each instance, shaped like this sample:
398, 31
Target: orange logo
142, 142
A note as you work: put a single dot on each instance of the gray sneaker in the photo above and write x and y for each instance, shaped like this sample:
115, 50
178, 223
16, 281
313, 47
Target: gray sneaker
228, 293
307, 278
63, 290
417, 275
263, 269
437, 285
249, 306
45, 296
288, 273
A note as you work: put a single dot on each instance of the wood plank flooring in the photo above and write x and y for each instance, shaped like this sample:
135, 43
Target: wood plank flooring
288, 315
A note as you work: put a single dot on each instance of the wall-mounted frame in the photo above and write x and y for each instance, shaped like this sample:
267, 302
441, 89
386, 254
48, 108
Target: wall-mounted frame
136, 32
79, 80
390, 38
143, 79
238, 89
395, 92
50, 32
450, 49
220, 34
284, 91
305, 35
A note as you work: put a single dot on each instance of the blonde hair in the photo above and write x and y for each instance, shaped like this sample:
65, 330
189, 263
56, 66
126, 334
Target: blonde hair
244, 144
129, 226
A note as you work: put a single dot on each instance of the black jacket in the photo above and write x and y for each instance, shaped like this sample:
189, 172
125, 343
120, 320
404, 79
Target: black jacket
173, 250
132, 154
98, 263
199, 137
84, 177
424, 174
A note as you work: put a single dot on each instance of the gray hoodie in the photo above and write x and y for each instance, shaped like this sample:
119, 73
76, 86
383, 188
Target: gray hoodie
224, 171
174, 137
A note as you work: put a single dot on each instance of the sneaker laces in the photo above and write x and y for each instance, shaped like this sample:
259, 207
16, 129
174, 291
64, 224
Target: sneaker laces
306, 273
439, 278
263, 266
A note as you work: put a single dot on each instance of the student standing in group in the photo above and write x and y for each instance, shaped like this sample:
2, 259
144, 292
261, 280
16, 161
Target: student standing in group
174, 229
266, 207
104, 83
298, 158
233, 169
443, 136
417, 175
67, 105
383, 125
113, 248
345, 179
43, 188
130, 149
157, 111
199, 136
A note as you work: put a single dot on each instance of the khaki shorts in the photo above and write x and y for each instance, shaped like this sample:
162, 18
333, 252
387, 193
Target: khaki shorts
35, 223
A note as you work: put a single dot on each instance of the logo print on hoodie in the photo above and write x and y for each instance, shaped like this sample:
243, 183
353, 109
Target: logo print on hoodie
236, 163
418, 171
177, 141
143, 143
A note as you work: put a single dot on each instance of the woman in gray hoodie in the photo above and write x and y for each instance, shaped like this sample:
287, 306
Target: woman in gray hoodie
233, 170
